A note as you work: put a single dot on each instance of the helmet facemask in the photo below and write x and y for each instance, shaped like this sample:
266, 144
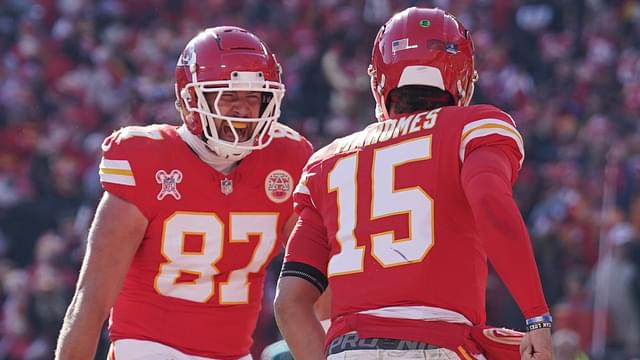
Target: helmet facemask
203, 98
219, 61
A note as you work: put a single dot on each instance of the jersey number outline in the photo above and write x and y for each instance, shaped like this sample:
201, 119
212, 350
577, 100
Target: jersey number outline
200, 265
386, 201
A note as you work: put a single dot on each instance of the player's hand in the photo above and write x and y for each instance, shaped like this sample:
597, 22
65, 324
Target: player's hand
536, 345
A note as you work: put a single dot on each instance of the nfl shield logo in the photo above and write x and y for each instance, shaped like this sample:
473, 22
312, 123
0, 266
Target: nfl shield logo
226, 186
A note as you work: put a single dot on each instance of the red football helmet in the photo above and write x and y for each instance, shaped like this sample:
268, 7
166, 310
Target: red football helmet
228, 58
421, 46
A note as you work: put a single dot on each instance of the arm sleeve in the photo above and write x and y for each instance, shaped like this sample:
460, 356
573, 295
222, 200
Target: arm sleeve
487, 174
307, 251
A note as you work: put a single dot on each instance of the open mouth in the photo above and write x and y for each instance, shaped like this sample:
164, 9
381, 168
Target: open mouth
242, 129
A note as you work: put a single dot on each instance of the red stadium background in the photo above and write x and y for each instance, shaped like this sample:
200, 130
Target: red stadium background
72, 71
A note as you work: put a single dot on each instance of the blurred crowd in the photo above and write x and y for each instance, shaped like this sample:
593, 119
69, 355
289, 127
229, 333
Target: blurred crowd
72, 71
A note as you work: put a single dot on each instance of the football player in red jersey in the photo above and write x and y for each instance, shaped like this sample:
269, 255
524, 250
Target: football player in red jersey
400, 218
191, 215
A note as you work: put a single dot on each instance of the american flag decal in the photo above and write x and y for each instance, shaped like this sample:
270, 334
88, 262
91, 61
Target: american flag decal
402, 44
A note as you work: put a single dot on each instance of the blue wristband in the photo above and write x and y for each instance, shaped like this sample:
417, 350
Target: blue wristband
539, 325
538, 319
539, 322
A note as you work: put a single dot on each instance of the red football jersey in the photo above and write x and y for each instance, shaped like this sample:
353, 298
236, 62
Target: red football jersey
196, 281
399, 229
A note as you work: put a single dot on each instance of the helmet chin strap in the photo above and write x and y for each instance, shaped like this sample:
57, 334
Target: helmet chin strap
227, 152
218, 159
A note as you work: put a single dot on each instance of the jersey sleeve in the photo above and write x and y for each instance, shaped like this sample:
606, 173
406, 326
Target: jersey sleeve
302, 155
490, 126
302, 195
485, 181
307, 251
310, 181
122, 168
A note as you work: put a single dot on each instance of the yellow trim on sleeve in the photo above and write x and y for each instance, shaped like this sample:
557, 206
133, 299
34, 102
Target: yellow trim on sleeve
489, 126
124, 172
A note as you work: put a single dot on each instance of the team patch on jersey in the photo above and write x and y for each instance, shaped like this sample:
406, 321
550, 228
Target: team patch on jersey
116, 172
169, 183
278, 185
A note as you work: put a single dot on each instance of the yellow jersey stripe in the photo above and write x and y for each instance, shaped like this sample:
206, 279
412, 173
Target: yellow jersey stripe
478, 133
490, 126
124, 172
117, 179
115, 164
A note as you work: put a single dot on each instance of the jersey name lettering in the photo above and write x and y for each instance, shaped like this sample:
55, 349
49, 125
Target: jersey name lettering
390, 129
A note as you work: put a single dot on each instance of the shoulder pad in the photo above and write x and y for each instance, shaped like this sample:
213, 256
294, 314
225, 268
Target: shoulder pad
144, 132
279, 130
485, 111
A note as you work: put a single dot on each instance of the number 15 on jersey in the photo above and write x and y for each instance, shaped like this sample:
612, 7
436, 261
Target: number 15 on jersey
386, 200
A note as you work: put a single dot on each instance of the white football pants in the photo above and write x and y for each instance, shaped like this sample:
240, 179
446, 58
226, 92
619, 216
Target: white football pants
131, 349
